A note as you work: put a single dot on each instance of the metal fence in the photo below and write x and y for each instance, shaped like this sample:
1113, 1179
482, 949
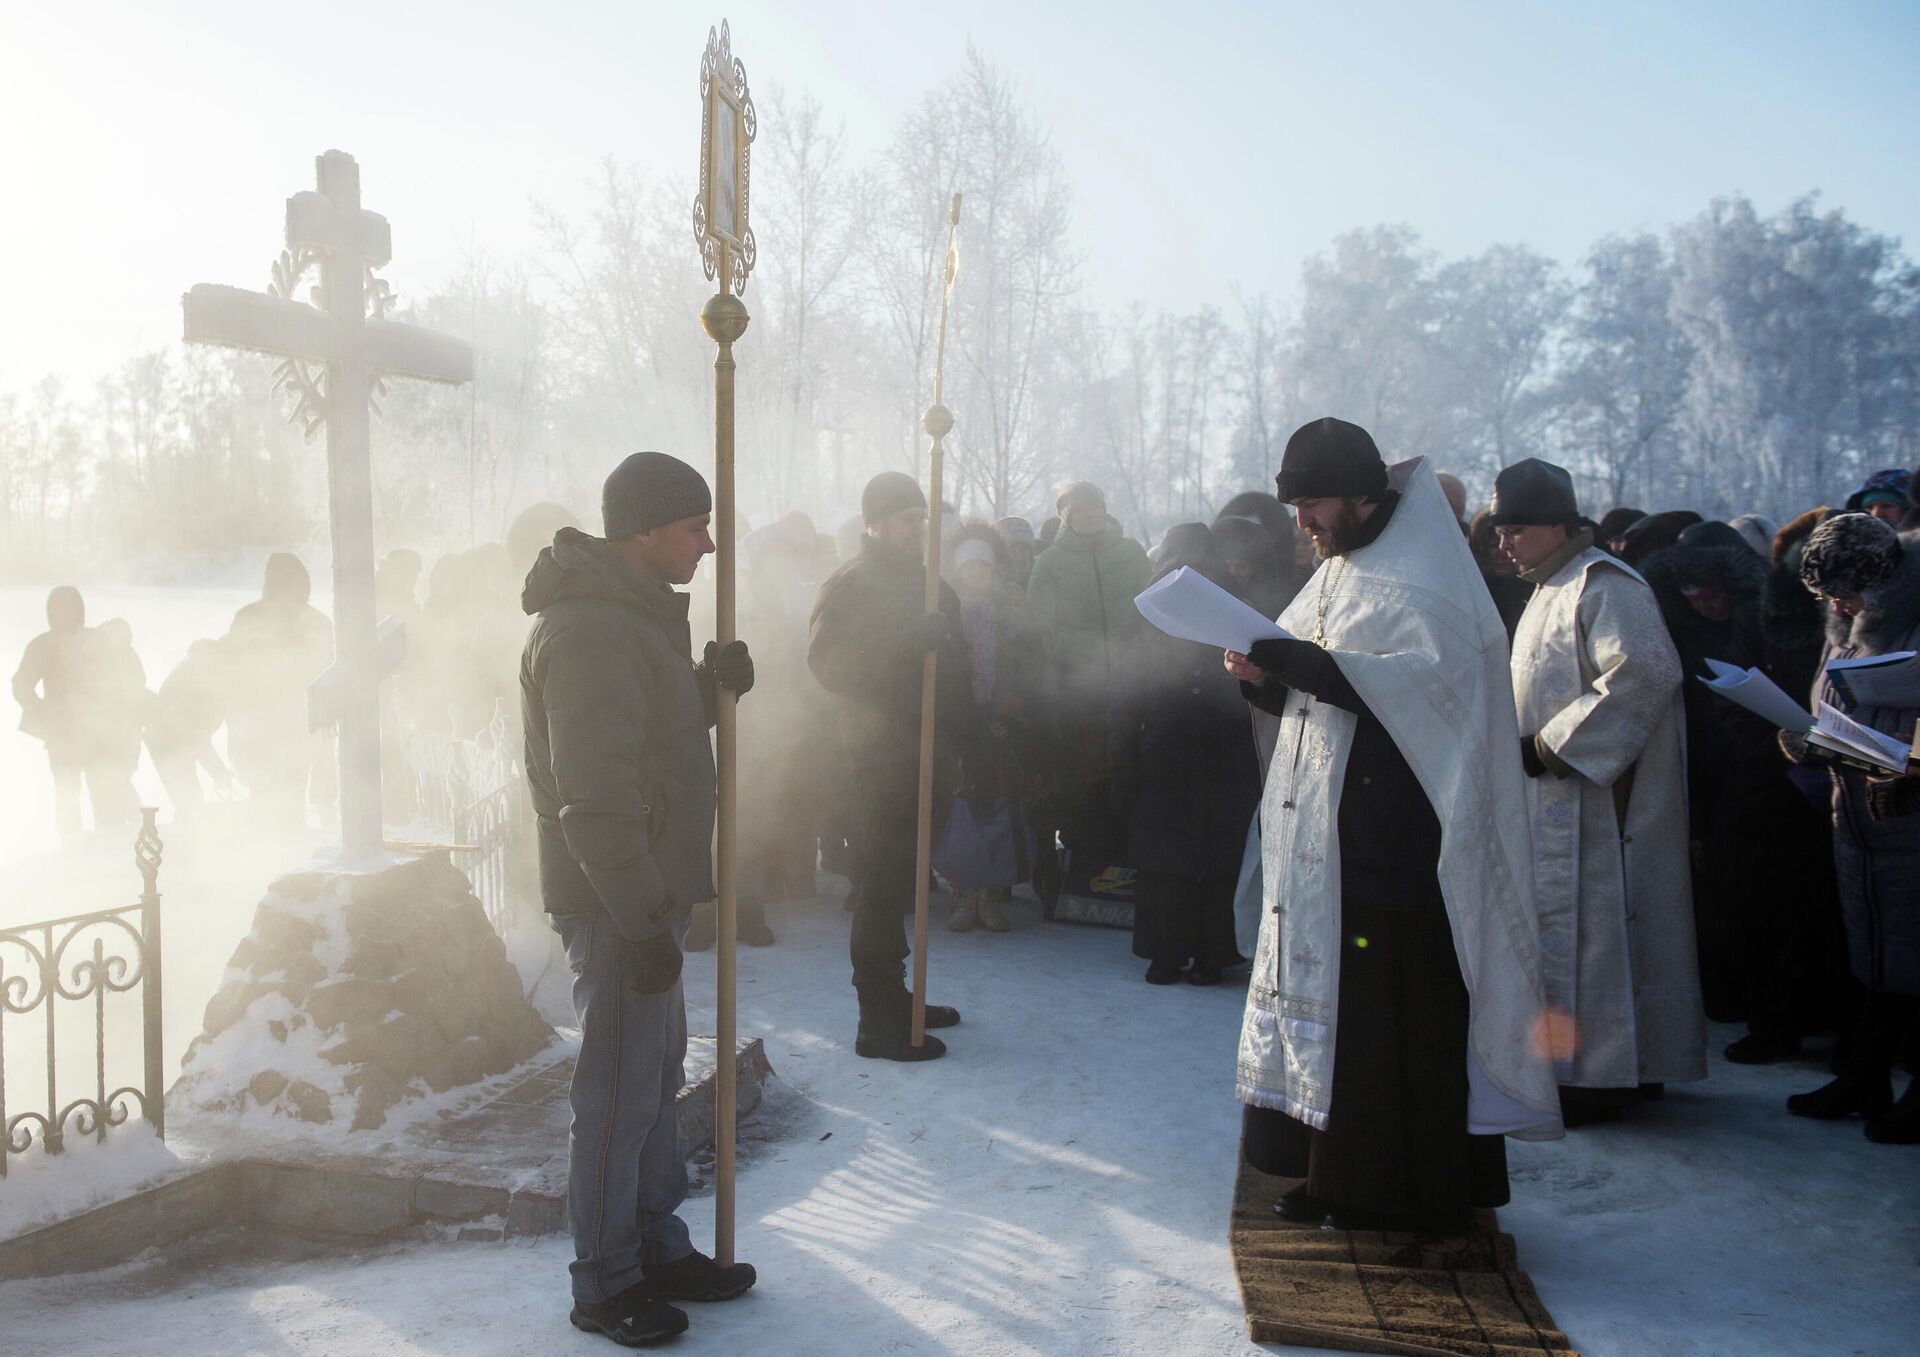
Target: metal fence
471, 790
71, 964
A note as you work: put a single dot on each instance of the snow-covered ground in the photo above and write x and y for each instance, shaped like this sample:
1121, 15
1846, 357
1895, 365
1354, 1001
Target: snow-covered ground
1059, 1184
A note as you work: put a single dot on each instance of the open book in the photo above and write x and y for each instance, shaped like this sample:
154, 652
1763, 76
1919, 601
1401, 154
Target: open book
1890, 680
1192, 607
1840, 734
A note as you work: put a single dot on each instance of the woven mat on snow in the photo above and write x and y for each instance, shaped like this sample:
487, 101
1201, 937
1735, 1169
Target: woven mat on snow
1371, 1291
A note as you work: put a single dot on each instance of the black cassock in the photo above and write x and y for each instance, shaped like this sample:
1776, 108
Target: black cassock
1396, 1142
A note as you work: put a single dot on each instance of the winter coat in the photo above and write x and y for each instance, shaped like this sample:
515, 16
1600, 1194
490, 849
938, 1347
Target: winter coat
859, 649
277, 648
1878, 861
1596, 685
1082, 592
47, 687
1005, 729
618, 757
1182, 748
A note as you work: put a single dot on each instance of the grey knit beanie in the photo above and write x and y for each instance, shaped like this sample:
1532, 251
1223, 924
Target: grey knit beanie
1849, 554
649, 490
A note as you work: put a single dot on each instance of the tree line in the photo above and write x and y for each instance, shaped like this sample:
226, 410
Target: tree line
1736, 361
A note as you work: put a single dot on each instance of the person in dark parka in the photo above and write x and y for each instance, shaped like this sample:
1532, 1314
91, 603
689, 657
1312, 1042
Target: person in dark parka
1764, 902
1869, 576
1259, 567
619, 764
869, 634
1190, 781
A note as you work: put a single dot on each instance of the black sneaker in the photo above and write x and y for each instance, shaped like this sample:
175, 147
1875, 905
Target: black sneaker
698, 1278
636, 1318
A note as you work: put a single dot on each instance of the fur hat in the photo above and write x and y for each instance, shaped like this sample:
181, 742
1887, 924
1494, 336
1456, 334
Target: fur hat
1757, 530
1849, 554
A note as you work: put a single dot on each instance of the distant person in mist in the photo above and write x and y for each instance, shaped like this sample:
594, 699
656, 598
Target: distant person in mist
1187, 778
47, 685
991, 846
1082, 594
868, 638
619, 760
187, 711
114, 703
780, 811
277, 646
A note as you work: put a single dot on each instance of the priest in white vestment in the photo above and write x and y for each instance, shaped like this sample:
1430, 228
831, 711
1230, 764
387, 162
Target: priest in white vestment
1596, 681
1395, 1025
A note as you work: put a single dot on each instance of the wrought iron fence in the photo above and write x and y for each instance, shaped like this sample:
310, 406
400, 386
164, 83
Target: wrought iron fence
471, 790
68, 962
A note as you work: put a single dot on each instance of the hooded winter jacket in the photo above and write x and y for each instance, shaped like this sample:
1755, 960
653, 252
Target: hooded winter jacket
1082, 593
1878, 861
617, 752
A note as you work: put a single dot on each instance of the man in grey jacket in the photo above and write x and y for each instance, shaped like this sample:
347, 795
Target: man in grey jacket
622, 775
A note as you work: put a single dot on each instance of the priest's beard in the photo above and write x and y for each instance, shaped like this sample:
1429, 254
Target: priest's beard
1343, 533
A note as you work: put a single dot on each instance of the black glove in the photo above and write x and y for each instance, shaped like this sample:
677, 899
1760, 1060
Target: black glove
929, 632
1889, 798
654, 965
1530, 757
1273, 657
731, 666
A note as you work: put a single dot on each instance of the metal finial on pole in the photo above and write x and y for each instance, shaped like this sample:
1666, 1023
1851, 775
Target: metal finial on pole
938, 422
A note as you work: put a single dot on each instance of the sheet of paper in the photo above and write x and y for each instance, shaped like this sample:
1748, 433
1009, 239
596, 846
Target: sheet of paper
1192, 607
1839, 732
1759, 695
1891, 680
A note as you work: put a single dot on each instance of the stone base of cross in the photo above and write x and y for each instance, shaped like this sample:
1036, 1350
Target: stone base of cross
330, 228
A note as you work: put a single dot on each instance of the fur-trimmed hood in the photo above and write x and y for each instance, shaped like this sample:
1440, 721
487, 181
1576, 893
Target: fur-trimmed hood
1891, 613
1739, 570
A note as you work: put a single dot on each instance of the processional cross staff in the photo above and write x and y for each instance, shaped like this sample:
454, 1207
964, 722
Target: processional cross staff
727, 253
938, 422
356, 351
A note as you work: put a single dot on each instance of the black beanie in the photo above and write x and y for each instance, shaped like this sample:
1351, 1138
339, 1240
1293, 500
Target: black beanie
1534, 492
889, 493
649, 490
1330, 459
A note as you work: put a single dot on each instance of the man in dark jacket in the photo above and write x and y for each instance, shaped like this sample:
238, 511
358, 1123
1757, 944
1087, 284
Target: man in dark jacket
622, 776
869, 634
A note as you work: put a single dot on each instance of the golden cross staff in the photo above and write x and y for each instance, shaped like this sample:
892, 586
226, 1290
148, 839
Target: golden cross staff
727, 253
938, 422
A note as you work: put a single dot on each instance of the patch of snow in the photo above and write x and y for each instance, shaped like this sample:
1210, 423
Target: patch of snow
42, 1188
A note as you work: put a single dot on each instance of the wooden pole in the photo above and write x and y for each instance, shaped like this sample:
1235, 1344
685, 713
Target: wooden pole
938, 422
725, 319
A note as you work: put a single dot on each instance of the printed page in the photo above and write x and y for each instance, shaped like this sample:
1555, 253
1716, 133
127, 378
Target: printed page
1192, 607
1759, 695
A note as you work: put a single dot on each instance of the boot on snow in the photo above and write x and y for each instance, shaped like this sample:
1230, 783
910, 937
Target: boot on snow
1901, 1125
991, 918
886, 1031
1848, 1096
964, 916
636, 1318
698, 1278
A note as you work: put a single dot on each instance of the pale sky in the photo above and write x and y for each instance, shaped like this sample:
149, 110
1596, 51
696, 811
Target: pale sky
148, 147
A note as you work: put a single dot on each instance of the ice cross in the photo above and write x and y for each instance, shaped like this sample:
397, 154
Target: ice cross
331, 228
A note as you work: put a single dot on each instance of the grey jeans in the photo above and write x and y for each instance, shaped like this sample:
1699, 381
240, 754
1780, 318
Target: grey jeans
625, 1173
